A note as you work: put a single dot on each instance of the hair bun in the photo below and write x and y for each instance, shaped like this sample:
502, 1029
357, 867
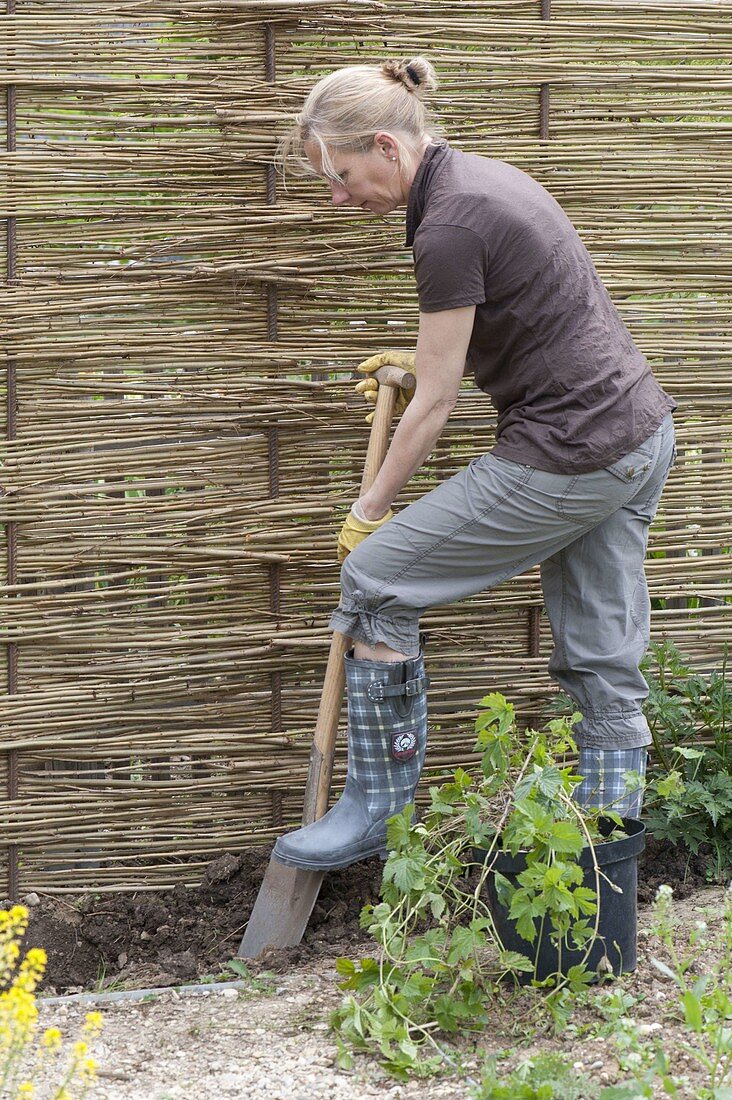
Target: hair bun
415, 73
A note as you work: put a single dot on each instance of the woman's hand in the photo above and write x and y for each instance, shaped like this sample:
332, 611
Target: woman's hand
356, 528
442, 345
369, 387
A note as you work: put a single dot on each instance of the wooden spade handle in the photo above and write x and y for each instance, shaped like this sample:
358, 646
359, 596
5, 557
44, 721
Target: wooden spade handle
320, 771
390, 380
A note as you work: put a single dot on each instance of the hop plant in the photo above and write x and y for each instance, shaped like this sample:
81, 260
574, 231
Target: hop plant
19, 1046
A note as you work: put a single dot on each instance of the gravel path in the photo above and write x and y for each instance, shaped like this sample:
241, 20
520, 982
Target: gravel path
271, 1042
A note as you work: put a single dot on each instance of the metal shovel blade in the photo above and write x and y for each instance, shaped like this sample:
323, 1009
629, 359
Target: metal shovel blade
282, 909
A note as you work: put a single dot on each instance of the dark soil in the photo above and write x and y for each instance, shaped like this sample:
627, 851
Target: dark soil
662, 862
159, 939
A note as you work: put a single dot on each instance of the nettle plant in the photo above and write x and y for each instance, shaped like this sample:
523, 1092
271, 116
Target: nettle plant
441, 963
689, 797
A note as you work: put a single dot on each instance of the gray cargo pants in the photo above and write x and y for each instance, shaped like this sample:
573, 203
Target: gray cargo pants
496, 519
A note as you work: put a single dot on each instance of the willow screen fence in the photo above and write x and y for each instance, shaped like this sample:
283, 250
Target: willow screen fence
181, 436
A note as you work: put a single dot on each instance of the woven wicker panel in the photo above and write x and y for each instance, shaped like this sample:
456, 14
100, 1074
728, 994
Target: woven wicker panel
180, 333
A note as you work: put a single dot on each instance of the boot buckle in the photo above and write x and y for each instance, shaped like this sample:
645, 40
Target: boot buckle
377, 691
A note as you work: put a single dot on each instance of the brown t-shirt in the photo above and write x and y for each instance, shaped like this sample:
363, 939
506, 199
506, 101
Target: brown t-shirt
572, 391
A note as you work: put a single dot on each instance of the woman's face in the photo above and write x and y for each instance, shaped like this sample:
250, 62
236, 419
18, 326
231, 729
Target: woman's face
370, 181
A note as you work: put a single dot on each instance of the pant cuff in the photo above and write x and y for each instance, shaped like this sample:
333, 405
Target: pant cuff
625, 730
368, 628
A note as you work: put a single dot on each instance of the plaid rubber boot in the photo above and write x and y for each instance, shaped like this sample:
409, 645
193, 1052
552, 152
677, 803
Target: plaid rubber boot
387, 737
604, 784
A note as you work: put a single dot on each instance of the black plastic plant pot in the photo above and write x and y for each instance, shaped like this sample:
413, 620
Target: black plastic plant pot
617, 924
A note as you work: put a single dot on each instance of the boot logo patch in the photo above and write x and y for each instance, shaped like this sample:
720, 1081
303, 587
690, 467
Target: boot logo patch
404, 744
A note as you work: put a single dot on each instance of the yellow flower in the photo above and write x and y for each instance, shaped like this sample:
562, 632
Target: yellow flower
12, 918
36, 957
19, 1016
94, 1023
17, 919
88, 1071
12, 952
31, 969
18, 1005
51, 1038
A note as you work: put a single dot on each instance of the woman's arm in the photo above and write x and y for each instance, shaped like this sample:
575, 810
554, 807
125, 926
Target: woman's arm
442, 346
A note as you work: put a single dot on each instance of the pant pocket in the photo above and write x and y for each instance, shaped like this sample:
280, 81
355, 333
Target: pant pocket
587, 499
634, 466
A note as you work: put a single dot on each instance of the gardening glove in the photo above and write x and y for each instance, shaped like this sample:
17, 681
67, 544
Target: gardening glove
369, 387
355, 530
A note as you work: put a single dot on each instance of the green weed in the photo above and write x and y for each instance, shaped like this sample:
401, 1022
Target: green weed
703, 1006
544, 1077
264, 983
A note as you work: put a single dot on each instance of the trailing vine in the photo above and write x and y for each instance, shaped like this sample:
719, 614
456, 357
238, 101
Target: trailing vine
441, 964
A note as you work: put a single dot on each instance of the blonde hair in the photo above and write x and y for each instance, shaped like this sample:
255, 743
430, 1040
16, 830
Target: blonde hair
349, 106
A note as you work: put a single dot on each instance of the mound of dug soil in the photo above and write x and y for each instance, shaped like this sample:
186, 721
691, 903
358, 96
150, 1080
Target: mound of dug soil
159, 939
146, 938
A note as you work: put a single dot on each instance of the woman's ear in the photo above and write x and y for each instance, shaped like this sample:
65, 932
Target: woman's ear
386, 144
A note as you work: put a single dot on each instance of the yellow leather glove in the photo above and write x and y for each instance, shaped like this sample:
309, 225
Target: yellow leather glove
355, 530
369, 387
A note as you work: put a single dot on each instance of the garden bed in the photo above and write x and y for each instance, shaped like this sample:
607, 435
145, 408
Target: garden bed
131, 940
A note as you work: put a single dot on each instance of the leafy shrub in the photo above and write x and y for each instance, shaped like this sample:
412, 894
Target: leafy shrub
689, 793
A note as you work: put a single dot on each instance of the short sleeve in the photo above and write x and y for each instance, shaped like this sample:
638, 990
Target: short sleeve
450, 266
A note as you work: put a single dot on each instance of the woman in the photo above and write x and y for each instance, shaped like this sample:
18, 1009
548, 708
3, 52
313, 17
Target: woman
584, 444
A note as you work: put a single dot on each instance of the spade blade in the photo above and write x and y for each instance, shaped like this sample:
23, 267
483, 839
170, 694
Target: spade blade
282, 910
